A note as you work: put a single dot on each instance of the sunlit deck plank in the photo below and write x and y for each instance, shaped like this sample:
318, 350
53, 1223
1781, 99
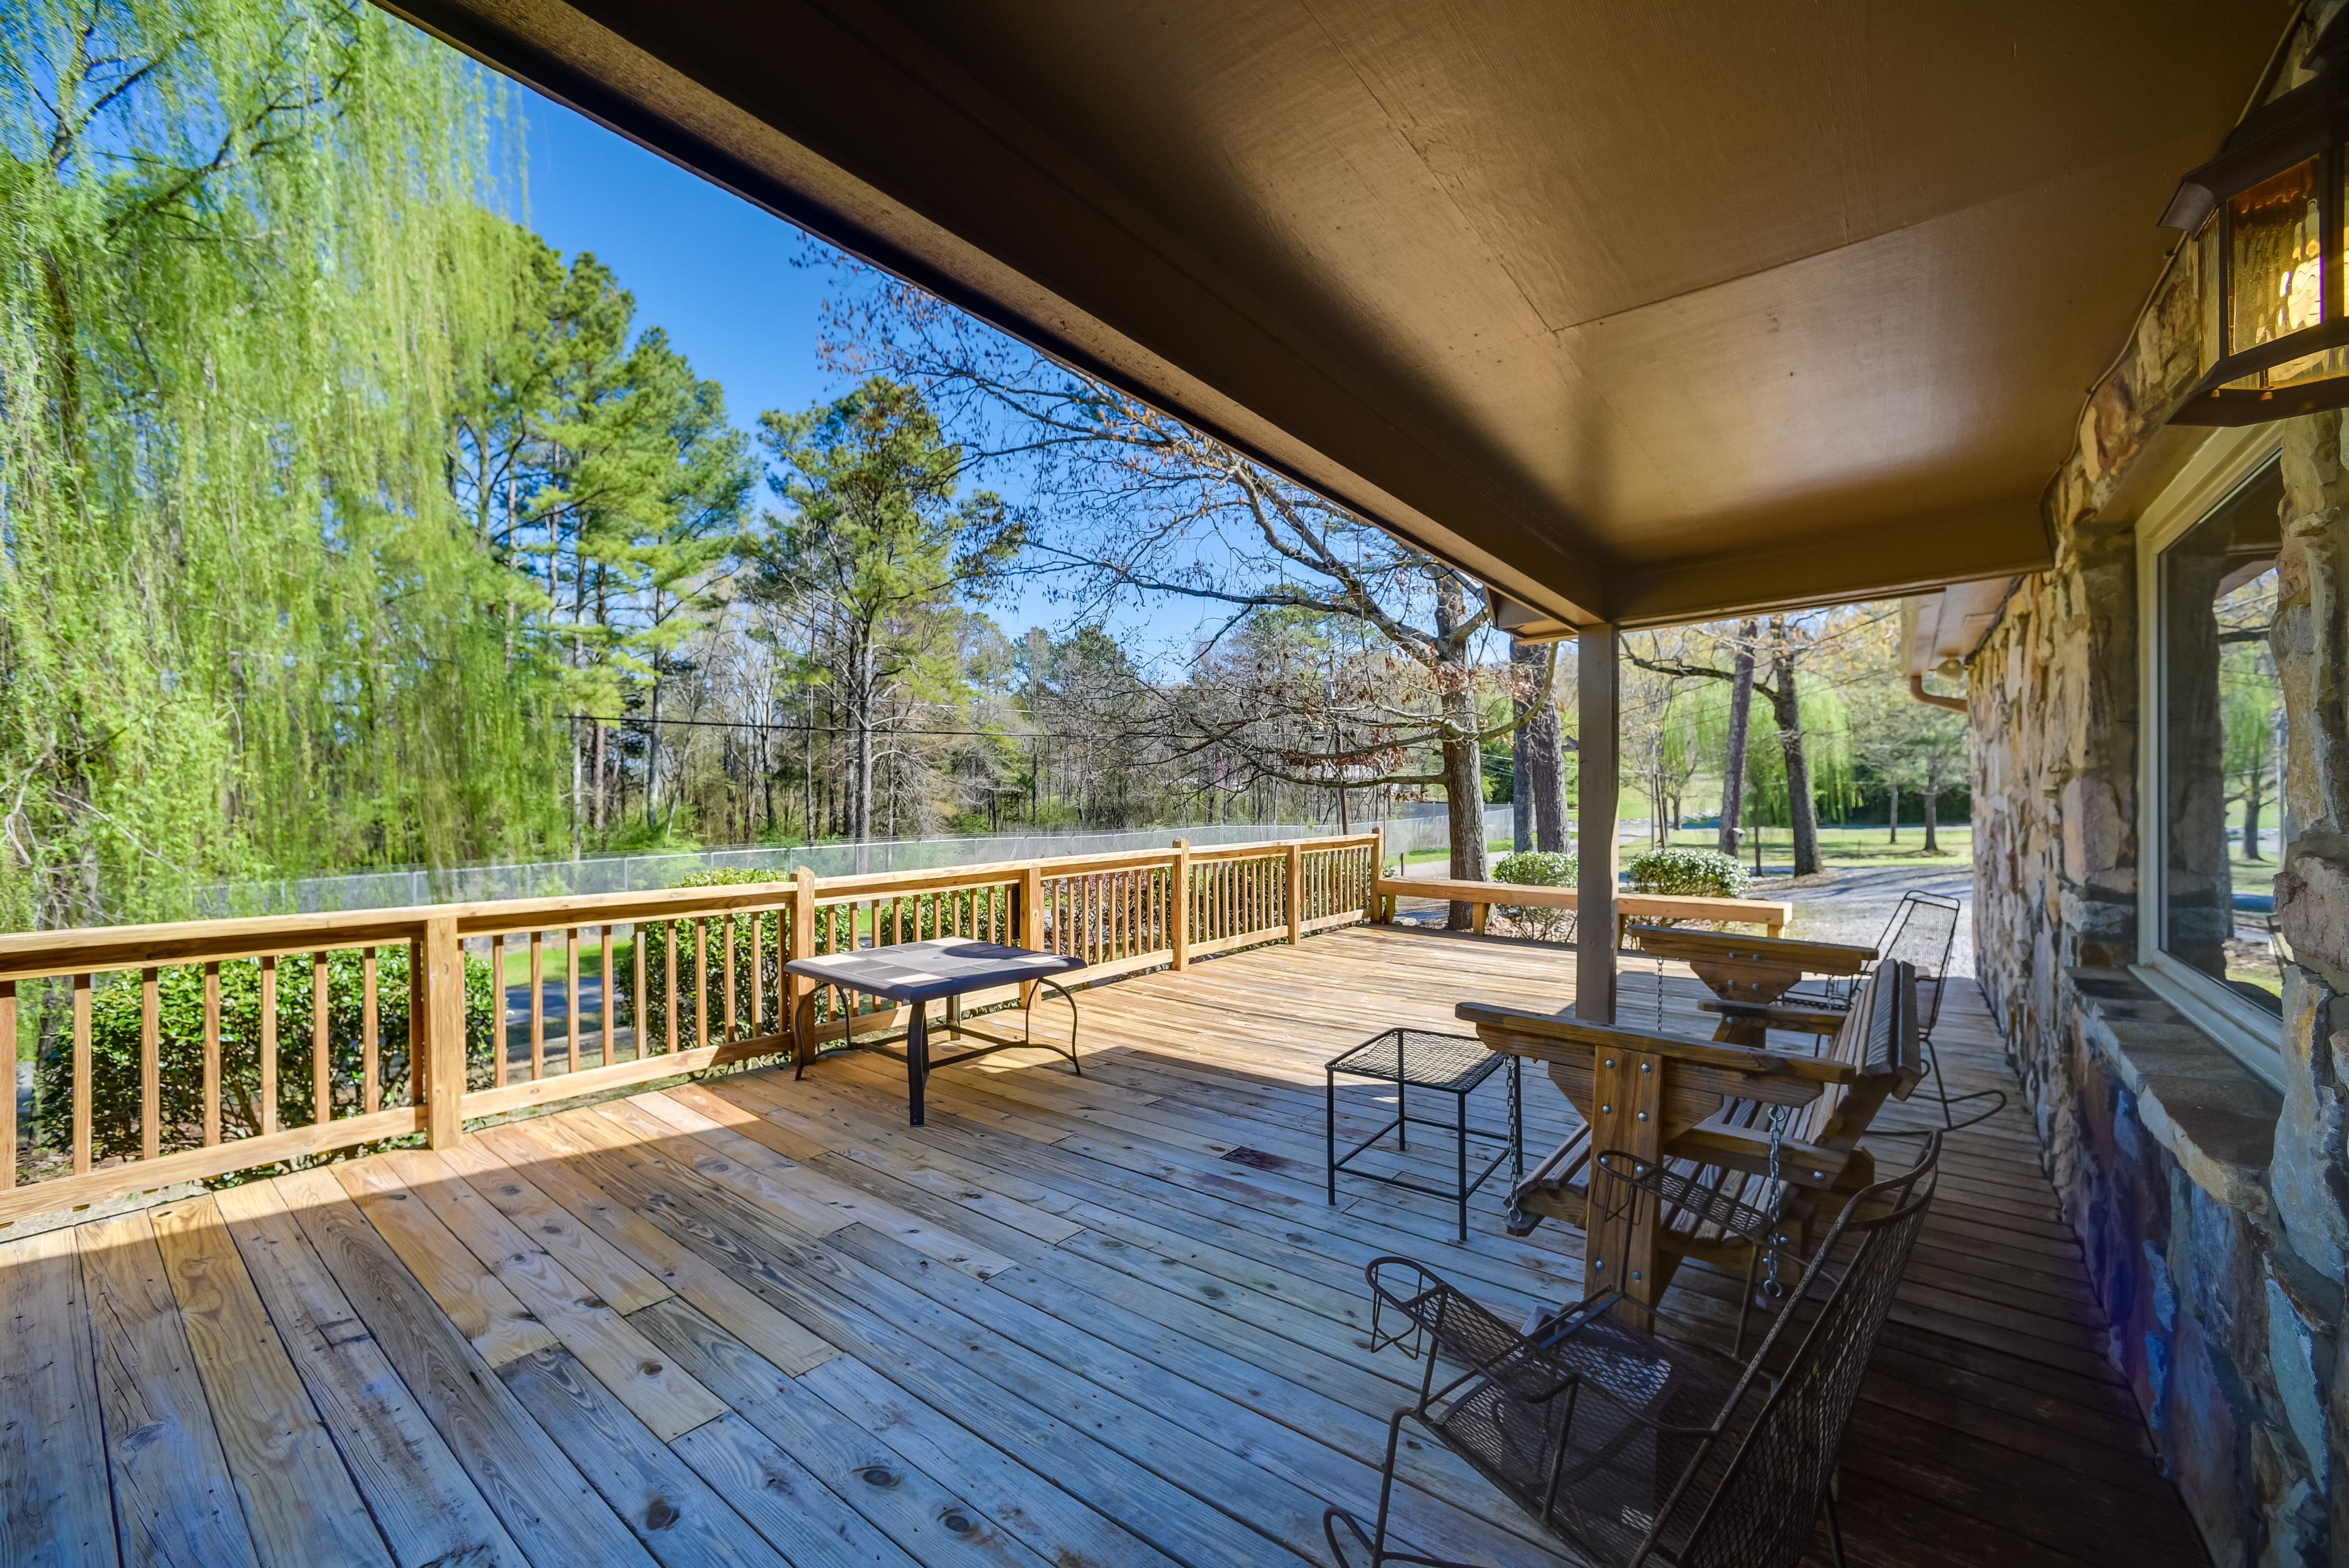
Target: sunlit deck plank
1058, 1324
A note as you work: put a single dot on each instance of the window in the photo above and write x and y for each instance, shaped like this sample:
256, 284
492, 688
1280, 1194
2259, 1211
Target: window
2212, 820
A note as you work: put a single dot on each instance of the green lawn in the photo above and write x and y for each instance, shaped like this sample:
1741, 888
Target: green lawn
1852, 846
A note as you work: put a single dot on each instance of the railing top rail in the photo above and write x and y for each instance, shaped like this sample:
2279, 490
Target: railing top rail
93, 949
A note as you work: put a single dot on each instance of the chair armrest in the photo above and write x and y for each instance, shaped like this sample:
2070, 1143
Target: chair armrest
1569, 1040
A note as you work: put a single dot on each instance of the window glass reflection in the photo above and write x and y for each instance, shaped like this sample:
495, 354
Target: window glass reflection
2222, 741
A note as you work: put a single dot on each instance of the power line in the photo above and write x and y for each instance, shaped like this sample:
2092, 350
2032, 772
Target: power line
831, 729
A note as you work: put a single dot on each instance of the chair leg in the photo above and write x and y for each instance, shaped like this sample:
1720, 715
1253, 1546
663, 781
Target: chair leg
1941, 1089
1331, 1107
1835, 1525
1745, 1301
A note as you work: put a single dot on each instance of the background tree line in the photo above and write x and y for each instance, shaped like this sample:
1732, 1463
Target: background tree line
345, 523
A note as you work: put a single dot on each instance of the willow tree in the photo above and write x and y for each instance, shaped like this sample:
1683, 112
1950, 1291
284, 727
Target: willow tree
244, 254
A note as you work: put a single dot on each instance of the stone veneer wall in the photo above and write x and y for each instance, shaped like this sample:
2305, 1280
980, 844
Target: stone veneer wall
2214, 1212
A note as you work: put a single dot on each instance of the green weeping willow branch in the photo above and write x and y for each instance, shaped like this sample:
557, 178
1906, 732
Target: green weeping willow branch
247, 248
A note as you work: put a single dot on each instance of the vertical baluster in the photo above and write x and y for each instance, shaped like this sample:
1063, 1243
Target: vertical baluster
757, 1000
701, 981
416, 1005
151, 1068
322, 1093
728, 969
268, 1043
537, 1005
370, 1038
9, 1101
81, 1084
571, 1000
497, 1006
607, 987
637, 996
671, 978
212, 1027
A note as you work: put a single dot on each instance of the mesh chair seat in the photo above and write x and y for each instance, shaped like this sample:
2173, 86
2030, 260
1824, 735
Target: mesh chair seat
1423, 1059
1601, 1467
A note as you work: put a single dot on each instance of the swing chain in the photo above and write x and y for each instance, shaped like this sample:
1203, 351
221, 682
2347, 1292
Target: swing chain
1770, 1285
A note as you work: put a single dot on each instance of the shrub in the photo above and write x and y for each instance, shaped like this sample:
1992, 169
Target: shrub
1685, 871
1537, 869
651, 1011
116, 1026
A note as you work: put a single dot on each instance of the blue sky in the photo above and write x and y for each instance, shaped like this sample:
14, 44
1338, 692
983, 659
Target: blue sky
717, 274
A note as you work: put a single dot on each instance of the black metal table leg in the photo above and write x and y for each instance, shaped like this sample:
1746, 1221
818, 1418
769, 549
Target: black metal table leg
917, 1061
1330, 1079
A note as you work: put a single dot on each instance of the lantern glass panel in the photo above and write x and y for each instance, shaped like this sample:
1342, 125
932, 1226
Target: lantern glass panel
2275, 274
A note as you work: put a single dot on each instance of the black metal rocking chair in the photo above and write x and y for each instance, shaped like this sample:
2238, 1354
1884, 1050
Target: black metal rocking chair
1923, 931
1631, 1450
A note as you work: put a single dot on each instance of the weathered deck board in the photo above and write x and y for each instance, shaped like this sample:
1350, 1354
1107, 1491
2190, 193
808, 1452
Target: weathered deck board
55, 1508
756, 1320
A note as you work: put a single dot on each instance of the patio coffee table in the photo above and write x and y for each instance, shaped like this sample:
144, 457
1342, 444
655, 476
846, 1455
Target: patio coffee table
916, 974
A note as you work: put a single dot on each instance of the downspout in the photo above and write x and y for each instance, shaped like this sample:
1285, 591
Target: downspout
1917, 690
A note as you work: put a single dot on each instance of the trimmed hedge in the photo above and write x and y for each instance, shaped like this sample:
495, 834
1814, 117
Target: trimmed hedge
1687, 872
116, 1025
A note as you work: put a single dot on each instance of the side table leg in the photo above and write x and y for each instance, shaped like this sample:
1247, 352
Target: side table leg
1462, 1101
1329, 1106
917, 1062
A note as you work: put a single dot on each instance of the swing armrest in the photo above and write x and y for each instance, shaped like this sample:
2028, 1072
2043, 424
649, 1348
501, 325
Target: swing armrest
1523, 1032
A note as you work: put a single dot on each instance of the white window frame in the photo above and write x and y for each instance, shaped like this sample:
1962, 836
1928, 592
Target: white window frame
2238, 1027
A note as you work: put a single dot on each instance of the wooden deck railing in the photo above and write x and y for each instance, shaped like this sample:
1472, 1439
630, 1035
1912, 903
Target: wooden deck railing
193, 1050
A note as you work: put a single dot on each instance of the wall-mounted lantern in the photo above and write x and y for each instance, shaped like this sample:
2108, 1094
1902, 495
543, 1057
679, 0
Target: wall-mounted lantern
2266, 215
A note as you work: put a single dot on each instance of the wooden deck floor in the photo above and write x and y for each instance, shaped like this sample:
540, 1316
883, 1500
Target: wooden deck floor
1108, 1321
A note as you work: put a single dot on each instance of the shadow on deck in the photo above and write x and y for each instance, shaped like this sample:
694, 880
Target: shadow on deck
755, 1321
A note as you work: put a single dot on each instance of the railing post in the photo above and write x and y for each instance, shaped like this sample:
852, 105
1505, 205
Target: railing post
1179, 903
1031, 920
803, 945
443, 1018
1376, 906
1296, 892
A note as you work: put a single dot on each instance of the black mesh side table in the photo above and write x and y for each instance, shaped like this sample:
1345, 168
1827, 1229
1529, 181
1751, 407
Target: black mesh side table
1450, 1063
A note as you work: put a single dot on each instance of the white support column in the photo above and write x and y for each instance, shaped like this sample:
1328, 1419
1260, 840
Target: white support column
1597, 750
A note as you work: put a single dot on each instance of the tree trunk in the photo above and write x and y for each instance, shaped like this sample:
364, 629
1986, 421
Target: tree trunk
1540, 758
1785, 707
597, 768
578, 786
652, 759
860, 802
1933, 811
1463, 769
1893, 783
1528, 657
2251, 819
1741, 724
1521, 799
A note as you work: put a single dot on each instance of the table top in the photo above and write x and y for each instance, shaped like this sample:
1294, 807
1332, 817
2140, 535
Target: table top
924, 971
1808, 958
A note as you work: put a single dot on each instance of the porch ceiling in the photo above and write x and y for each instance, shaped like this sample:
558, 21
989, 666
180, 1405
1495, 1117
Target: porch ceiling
1641, 313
